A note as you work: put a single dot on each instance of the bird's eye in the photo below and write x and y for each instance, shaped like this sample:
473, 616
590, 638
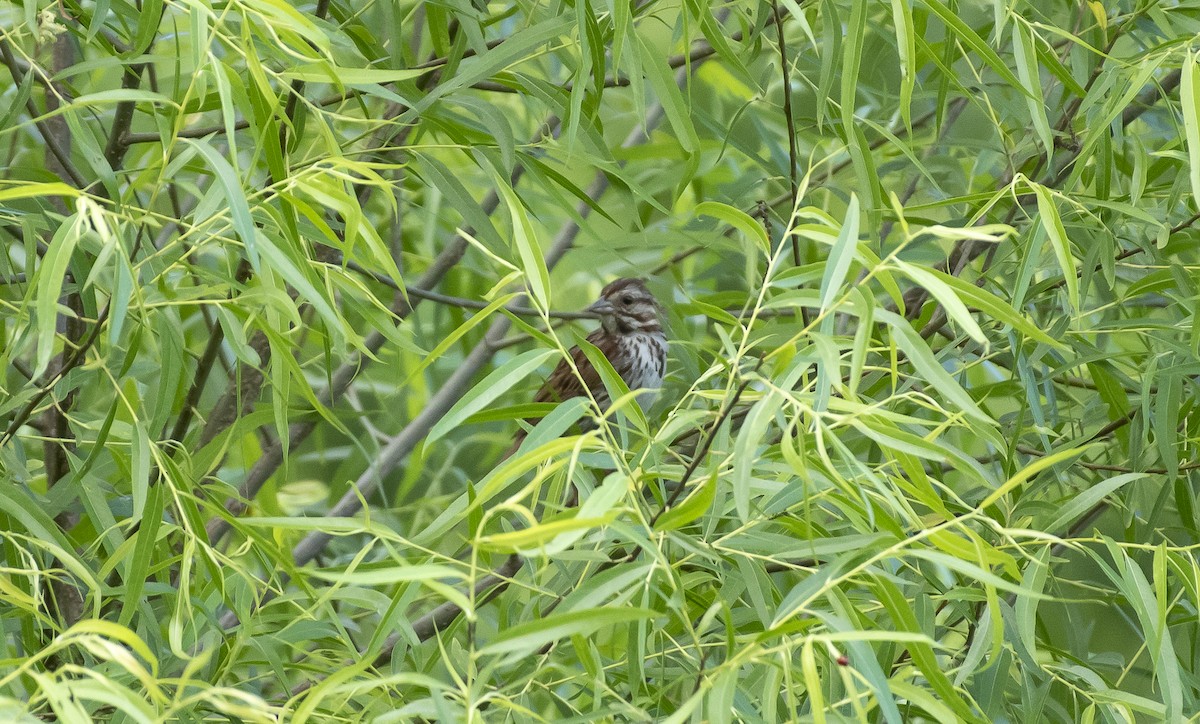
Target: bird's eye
627, 299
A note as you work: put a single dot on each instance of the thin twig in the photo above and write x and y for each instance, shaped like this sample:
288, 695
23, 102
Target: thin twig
793, 147
462, 302
74, 361
702, 450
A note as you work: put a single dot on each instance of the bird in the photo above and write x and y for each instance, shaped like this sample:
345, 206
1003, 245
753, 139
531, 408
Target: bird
630, 337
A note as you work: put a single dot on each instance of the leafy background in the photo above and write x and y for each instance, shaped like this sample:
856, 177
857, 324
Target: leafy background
279, 281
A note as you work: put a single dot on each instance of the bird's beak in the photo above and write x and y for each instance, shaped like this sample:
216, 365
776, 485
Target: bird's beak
601, 308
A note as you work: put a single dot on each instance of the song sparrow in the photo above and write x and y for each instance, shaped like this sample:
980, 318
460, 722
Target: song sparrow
631, 339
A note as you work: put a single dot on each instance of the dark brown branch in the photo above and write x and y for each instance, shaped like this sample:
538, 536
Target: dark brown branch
118, 143
702, 450
793, 147
62, 155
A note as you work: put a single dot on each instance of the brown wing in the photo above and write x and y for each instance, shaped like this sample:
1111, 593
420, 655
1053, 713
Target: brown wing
563, 383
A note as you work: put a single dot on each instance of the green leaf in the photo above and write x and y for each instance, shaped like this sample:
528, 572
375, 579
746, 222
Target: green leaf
929, 368
1031, 470
738, 219
1027, 69
31, 189
490, 388
439, 352
993, 307
385, 574
955, 309
532, 635
231, 186
923, 655
1052, 223
694, 506
906, 45
533, 264
1189, 96
340, 75
838, 263
961, 32
50, 275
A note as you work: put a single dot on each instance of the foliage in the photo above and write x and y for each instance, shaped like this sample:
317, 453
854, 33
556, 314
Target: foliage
278, 280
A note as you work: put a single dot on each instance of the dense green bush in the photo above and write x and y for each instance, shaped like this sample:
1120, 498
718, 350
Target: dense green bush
279, 284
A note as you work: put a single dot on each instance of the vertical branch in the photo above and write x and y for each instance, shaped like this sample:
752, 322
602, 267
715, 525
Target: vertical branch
118, 144
59, 445
793, 148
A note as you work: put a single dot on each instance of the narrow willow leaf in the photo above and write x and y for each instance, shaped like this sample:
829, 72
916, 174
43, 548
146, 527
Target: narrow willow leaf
532, 635
31, 189
839, 260
550, 539
50, 275
385, 573
853, 36
1052, 223
340, 75
812, 681
438, 352
906, 45
1027, 69
1099, 127
831, 35
866, 174
28, 516
545, 538
738, 219
674, 106
696, 505
285, 15
929, 368
750, 437
1189, 96
533, 265
1151, 617
149, 16
994, 307
618, 391
116, 632
1167, 403
1031, 470
279, 261
140, 563
963, 33
518, 46
231, 186
719, 702
120, 95
955, 309
1082, 502
923, 655
491, 387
